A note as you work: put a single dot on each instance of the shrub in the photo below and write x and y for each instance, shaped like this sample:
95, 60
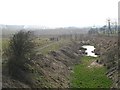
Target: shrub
20, 52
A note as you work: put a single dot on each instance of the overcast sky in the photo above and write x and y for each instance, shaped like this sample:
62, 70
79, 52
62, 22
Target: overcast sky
58, 13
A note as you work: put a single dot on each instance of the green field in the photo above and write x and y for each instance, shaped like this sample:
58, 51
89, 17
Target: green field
5, 42
43, 45
89, 77
48, 46
42, 41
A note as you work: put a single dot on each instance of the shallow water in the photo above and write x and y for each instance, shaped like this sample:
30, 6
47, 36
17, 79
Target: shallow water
90, 50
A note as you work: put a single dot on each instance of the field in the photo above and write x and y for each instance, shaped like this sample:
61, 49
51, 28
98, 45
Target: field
87, 76
4, 43
44, 45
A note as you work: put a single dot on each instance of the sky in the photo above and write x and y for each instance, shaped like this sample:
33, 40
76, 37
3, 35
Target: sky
58, 13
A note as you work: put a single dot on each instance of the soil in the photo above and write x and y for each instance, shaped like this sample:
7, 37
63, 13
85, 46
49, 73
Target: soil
95, 64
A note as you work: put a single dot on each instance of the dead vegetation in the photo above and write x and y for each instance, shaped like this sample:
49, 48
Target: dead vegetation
45, 71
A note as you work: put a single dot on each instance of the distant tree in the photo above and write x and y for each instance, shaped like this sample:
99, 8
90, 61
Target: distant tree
109, 27
21, 52
76, 36
93, 31
103, 29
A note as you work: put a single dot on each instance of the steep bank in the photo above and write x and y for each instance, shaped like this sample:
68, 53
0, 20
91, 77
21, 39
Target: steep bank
50, 71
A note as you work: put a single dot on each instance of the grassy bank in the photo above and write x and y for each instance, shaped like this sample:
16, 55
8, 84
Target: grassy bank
86, 75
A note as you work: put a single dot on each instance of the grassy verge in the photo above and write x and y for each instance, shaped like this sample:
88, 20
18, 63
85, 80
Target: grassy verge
89, 77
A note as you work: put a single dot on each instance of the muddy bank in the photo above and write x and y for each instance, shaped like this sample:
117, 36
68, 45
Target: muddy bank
50, 71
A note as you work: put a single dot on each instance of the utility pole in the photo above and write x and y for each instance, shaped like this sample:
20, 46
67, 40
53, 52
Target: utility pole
115, 27
109, 27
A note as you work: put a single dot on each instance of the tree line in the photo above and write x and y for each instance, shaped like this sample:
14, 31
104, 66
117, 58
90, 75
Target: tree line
110, 29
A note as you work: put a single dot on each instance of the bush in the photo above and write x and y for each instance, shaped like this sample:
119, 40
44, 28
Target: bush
20, 52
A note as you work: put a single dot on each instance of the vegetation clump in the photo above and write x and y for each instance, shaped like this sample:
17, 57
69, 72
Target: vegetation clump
20, 54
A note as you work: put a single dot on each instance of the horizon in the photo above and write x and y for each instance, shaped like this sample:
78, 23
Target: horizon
45, 27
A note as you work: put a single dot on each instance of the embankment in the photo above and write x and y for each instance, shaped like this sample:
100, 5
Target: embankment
48, 71
107, 49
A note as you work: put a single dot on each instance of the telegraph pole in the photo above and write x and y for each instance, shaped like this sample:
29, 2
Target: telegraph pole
109, 27
116, 27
